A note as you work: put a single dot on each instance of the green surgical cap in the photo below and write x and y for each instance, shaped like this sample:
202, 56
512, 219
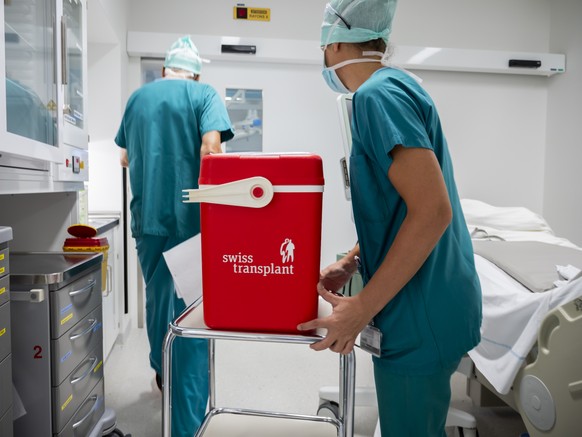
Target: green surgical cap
183, 55
361, 20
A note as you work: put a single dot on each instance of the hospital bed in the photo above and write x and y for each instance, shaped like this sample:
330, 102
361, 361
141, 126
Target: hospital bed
530, 355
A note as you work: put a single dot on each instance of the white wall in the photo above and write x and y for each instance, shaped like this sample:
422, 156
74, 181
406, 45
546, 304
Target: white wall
39, 221
108, 90
495, 127
107, 62
296, 19
562, 206
495, 24
496, 124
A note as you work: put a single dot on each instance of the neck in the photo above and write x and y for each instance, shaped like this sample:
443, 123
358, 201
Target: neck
359, 73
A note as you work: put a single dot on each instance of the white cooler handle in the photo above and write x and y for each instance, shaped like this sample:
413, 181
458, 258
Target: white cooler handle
255, 192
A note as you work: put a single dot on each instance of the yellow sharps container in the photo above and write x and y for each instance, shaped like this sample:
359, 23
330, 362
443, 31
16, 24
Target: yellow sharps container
85, 241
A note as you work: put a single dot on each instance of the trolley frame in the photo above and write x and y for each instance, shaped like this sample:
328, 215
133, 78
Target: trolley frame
190, 324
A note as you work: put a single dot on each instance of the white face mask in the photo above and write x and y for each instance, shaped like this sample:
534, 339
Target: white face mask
330, 73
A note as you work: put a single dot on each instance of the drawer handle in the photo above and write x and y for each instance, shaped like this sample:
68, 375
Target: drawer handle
84, 289
87, 373
93, 322
93, 398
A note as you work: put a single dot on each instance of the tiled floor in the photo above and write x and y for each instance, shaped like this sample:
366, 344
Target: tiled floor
263, 376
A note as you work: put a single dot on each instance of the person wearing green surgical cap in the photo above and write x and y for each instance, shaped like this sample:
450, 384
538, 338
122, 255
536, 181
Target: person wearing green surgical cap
183, 55
168, 125
421, 292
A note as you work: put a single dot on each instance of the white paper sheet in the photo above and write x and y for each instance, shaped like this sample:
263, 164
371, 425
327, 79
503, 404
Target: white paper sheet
185, 264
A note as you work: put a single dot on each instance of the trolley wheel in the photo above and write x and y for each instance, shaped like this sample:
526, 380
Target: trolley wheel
328, 409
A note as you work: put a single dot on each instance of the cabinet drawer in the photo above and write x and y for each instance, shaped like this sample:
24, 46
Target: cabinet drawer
69, 396
5, 331
87, 416
4, 270
6, 384
73, 302
6, 429
69, 350
4, 289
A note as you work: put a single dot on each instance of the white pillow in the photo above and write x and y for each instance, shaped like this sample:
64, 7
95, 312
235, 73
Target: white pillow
481, 214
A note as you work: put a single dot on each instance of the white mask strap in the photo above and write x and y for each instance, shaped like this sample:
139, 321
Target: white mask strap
353, 61
373, 53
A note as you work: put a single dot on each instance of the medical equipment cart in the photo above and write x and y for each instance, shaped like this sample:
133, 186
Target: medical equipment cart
57, 345
190, 324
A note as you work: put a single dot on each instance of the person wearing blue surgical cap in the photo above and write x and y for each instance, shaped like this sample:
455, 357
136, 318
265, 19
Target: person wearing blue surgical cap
168, 125
421, 291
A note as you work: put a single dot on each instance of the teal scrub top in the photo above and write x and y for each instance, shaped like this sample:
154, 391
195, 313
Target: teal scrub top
436, 317
162, 130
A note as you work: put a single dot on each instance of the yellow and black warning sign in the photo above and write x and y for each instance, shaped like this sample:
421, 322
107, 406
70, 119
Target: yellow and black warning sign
252, 13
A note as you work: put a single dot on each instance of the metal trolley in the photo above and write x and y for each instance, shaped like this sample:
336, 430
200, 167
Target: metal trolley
190, 324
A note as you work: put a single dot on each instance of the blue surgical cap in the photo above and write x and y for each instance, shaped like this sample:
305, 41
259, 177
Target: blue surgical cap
357, 21
183, 55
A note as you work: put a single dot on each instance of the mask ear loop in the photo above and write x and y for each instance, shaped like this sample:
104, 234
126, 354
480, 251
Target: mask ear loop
373, 53
352, 61
387, 63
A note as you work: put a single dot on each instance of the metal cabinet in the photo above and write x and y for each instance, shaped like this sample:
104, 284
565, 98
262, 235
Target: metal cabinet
43, 131
5, 337
58, 342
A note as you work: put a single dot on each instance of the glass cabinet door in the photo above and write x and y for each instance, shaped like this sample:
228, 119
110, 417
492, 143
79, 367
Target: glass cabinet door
30, 70
73, 28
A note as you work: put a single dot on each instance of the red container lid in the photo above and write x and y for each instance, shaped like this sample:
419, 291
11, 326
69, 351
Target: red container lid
82, 231
86, 242
278, 168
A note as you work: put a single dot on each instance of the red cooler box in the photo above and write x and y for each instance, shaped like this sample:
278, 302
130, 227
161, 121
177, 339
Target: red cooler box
261, 239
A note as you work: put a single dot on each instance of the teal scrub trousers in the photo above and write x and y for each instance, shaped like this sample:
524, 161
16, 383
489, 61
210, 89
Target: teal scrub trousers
190, 356
413, 405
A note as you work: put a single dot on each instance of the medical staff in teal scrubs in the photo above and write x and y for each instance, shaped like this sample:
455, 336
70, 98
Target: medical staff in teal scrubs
166, 128
414, 252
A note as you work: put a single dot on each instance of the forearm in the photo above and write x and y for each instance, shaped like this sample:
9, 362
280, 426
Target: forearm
210, 143
123, 158
349, 261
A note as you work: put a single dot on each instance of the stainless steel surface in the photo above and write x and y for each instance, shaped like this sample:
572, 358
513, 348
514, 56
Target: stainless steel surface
4, 289
5, 234
4, 265
71, 303
49, 268
70, 395
70, 349
31, 366
6, 429
52, 338
5, 381
6, 402
102, 223
88, 416
191, 318
5, 330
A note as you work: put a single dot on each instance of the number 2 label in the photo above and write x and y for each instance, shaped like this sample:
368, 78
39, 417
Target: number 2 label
38, 353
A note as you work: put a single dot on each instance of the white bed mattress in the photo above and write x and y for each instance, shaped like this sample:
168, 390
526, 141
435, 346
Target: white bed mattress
512, 314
